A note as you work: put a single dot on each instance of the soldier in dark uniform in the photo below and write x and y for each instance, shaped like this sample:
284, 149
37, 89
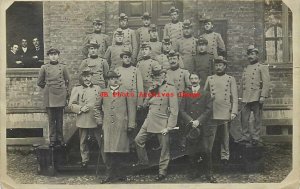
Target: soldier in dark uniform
174, 29
196, 113
187, 45
216, 45
162, 118
255, 89
113, 52
129, 36
97, 36
37, 53
82, 102
224, 92
13, 58
203, 61
98, 65
54, 79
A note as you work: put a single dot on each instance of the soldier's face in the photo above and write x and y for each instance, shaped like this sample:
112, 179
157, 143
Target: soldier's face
208, 26
174, 16
53, 57
92, 51
146, 51
253, 57
24, 43
194, 80
166, 47
97, 27
146, 21
202, 48
87, 79
119, 38
158, 79
220, 67
123, 23
187, 31
153, 34
15, 48
126, 59
35, 42
173, 60
113, 81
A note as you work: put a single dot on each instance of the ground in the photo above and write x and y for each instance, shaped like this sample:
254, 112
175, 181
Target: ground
22, 168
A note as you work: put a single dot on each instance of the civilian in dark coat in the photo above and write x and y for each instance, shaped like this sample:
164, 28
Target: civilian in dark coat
37, 54
25, 54
13, 58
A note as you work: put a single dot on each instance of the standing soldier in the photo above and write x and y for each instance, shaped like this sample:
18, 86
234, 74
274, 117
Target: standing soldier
225, 103
97, 37
180, 78
117, 115
195, 113
129, 36
142, 33
203, 61
216, 45
162, 118
98, 66
187, 45
145, 65
255, 85
174, 29
54, 79
82, 102
113, 52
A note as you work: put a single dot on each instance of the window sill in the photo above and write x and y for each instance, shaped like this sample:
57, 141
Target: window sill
22, 72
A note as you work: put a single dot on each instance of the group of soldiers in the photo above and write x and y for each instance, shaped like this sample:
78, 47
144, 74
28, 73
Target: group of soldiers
138, 62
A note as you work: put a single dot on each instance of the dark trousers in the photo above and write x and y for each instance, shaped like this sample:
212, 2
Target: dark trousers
113, 164
247, 133
55, 116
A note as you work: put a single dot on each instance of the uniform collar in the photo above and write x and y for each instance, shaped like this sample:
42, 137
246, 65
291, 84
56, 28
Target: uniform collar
153, 40
145, 57
53, 62
86, 86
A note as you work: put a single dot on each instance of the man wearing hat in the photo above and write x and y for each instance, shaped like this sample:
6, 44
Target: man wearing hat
255, 88
203, 61
99, 66
145, 65
195, 113
97, 37
224, 92
117, 115
186, 46
129, 36
154, 43
54, 79
113, 52
174, 29
216, 45
162, 118
82, 102
180, 78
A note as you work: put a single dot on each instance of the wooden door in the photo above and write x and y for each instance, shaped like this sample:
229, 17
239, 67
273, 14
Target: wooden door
157, 9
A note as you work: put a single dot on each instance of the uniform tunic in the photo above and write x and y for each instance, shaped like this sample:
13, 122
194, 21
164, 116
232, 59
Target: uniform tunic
187, 48
223, 90
99, 68
174, 32
101, 39
112, 55
255, 82
54, 78
129, 39
131, 80
215, 43
203, 65
118, 114
145, 66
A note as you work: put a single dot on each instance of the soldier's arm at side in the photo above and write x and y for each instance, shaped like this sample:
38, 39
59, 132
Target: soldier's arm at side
173, 105
165, 32
107, 55
234, 96
187, 79
208, 109
182, 111
98, 112
137, 34
131, 111
220, 43
134, 45
105, 68
41, 82
206, 86
66, 77
265, 76
139, 86
73, 102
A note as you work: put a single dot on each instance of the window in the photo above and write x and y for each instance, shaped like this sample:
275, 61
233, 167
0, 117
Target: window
24, 34
278, 32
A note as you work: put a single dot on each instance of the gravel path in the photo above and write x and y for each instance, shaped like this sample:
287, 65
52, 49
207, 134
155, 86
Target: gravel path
278, 163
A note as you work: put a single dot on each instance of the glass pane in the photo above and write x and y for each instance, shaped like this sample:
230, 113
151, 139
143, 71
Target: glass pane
274, 51
290, 23
291, 49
